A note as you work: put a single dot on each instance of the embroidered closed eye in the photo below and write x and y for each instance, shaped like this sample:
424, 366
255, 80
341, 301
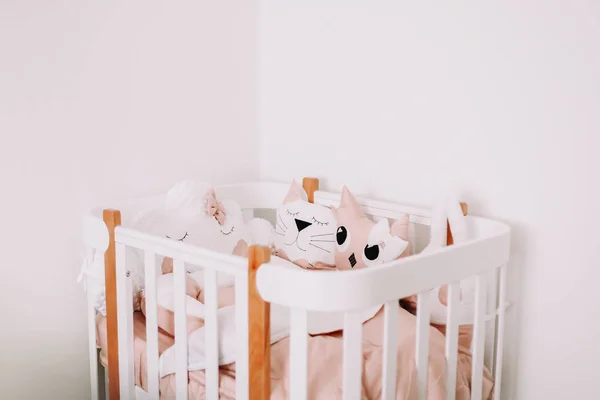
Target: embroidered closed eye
180, 239
315, 221
291, 214
228, 233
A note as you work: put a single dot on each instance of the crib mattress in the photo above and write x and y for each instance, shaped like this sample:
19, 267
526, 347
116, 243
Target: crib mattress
325, 357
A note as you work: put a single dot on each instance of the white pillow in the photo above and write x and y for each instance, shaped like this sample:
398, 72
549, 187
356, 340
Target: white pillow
305, 232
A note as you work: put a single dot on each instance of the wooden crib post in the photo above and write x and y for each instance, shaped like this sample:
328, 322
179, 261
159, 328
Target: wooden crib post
259, 329
112, 219
449, 239
310, 185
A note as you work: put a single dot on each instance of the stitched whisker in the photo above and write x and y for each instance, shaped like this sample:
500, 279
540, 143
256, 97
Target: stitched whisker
283, 223
314, 245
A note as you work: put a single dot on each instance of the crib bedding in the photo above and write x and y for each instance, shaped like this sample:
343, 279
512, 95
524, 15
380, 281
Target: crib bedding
317, 322
325, 360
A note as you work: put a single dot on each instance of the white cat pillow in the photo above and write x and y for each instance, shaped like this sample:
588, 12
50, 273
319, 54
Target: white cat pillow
305, 232
185, 216
196, 215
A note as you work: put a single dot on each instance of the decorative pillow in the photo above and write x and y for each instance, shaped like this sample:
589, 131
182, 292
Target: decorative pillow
165, 304
362, 243
304, 232
448, 211
194, 215
197, 216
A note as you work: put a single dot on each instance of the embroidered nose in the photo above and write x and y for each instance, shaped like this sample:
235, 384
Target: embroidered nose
352, 260
301, 224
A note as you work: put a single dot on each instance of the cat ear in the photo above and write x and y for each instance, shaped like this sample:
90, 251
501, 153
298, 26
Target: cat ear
394, 247
400, 227
295, 193
379, 233
349, 202
241, 248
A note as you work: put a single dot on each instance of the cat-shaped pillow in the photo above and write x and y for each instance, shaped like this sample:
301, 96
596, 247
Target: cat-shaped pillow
304, 232
196, 215
362, 243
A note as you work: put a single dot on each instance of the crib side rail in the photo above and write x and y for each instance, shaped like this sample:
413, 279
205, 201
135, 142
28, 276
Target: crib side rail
252, 369
353, 290
96, 240
112, 219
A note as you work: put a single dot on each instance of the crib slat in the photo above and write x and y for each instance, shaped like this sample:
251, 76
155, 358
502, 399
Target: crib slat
490, 324
500, 332
125, 323
298, 355
390, 350
422, 347
151, 324
106, 386
112, 220
452, 339
181, 337
259, 323
353, 359
241, 327
478, 338
93, 352
211, 334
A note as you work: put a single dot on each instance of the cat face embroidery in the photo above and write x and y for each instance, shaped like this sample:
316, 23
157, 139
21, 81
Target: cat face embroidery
362, 243
195, 216
304, 232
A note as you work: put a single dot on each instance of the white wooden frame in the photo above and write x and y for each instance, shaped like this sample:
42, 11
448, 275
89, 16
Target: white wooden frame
484, 256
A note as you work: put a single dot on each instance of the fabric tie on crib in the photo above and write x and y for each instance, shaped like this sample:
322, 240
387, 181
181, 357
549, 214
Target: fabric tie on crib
92, 279
214, 207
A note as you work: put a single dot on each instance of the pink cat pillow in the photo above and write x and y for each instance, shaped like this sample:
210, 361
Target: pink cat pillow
304, 232
362, 243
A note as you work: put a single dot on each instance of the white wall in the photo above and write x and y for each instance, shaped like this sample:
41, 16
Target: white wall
104, 101
399, 99
100, 101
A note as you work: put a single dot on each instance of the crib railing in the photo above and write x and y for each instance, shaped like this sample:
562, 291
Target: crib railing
352, 291
181, 253
258, 283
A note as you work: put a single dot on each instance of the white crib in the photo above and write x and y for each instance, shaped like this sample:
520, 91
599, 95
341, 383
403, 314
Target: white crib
259, 283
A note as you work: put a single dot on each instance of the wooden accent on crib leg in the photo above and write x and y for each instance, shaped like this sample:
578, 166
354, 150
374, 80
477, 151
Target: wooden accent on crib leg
112, 219
449, 239
259, 329
310, 186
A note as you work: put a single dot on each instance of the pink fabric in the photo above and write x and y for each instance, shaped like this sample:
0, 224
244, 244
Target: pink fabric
215, 208
304, 232
325, 359
302, 262
166, 318
295, 193
352, 236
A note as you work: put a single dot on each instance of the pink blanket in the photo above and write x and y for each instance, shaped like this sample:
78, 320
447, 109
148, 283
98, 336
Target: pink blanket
325, 360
